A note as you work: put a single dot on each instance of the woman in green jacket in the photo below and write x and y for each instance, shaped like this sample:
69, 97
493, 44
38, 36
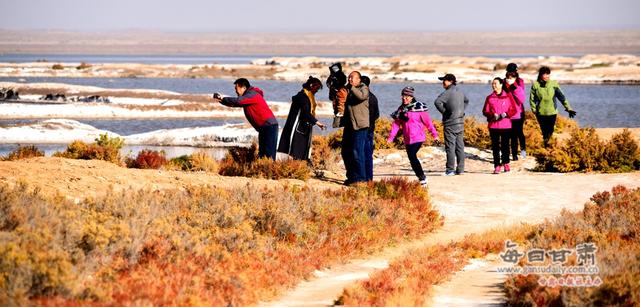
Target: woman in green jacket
543, 100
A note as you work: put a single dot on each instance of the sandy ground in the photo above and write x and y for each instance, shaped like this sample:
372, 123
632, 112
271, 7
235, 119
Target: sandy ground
471, 203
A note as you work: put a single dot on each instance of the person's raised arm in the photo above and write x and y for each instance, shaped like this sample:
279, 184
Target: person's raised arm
361, 93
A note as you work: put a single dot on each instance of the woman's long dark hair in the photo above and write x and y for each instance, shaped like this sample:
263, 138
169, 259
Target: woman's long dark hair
312, 80
543, 70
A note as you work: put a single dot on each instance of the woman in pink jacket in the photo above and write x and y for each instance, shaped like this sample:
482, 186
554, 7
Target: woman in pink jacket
412, 117
514, 85
499, 107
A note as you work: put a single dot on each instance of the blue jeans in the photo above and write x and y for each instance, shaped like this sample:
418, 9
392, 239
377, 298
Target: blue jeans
358, 154
268, 141
368, 153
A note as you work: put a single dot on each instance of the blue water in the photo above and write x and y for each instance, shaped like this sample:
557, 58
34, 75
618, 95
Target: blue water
597, 105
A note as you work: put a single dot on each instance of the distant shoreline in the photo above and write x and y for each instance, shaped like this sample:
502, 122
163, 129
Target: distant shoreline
588, 69
321, 44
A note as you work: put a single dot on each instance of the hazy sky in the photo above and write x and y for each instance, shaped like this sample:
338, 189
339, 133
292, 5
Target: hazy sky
319, 15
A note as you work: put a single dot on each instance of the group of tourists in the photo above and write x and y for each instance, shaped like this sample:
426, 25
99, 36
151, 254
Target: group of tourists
356, 110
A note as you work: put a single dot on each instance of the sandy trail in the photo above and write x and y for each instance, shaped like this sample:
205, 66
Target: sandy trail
472, 203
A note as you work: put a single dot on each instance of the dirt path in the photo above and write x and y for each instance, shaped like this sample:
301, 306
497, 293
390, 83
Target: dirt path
472, 203
481, 283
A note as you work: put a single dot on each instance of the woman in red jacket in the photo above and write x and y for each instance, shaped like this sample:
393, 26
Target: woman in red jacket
499, 107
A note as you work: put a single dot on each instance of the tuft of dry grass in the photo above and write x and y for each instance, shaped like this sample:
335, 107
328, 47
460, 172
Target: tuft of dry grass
104, 148
147, 159
244, 162
23, 152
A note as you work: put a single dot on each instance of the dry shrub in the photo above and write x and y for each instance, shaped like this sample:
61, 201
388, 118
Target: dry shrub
57, 67
323, 157
584, 151
23, 152
334, 139
105, 148
244, 162
476, 134
148, 159
533, 135
611, 221
202, 161
201, 245
622, 153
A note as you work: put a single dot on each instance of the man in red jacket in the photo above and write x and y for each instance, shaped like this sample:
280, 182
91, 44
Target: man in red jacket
251, 100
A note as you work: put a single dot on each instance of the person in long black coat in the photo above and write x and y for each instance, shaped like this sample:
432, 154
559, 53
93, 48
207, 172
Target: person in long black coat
298, 129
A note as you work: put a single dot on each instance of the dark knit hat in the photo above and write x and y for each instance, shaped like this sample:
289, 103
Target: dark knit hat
408, 91
512, 67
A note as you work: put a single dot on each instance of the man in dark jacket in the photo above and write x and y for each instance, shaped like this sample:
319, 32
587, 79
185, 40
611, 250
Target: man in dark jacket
452, 103
374, 114
251, 100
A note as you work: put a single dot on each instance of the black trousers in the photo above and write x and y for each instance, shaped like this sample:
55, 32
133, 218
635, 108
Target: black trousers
500, 145
517, 136
547, 124
412, 153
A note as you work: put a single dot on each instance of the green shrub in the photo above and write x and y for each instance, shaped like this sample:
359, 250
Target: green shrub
180, 163
622, 153
105, 148
23, 152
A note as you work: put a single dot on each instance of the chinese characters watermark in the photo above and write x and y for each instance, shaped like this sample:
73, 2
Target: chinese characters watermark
552, 262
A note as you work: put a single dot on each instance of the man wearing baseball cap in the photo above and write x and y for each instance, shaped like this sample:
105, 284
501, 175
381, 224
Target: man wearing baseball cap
451, 103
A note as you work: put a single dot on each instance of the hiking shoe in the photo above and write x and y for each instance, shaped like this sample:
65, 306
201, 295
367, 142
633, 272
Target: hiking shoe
459, 172
423, 183
506, 168
497, 170
523, 154
449, 173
